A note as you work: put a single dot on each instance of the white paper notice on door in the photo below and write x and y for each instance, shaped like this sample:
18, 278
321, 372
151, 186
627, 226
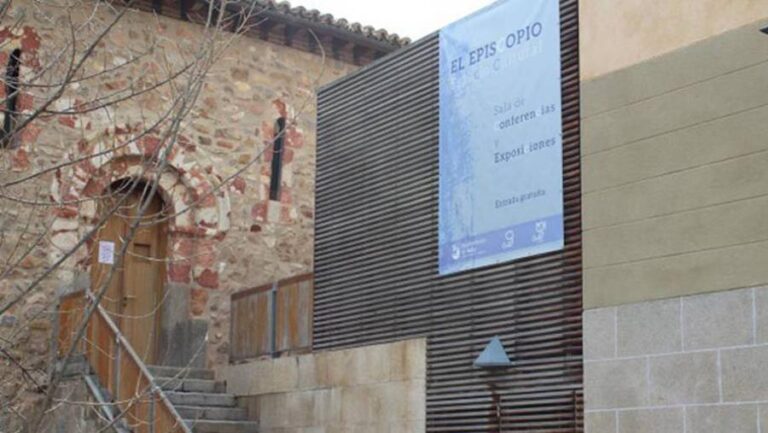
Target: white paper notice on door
106, 252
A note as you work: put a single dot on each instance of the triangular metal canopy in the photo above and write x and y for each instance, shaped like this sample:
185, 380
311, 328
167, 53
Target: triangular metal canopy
493, 355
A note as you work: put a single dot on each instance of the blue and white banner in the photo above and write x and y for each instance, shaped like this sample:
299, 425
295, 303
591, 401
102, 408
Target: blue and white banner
501, 174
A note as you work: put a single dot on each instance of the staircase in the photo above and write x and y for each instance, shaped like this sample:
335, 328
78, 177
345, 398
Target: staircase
201, 401
149, 399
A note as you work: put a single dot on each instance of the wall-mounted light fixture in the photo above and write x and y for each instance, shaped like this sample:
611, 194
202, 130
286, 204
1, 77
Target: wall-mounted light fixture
495, 359
493, 356
764, 30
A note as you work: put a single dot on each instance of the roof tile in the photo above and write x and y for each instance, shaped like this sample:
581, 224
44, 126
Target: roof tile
313, 15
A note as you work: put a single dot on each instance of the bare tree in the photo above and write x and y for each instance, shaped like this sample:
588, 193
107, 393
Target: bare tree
68, 64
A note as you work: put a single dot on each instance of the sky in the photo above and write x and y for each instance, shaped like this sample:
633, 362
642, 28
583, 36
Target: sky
411, 18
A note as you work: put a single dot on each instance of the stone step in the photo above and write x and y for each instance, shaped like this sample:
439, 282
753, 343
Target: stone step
203, 426
76, 366
190, 385
77, 357
180, 372
200, 399
212, 413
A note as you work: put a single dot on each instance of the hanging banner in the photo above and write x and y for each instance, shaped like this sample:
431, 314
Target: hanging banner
501, 174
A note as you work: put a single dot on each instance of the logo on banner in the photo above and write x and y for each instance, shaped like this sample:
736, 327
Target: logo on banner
509, 239
456, 252
539, 230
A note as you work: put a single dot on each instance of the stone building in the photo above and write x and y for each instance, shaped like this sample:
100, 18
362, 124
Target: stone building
236, 217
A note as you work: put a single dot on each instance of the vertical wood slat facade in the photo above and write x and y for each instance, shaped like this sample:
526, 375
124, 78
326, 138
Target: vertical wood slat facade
70, 313
293, 315
261, 325
250, 326
376, 259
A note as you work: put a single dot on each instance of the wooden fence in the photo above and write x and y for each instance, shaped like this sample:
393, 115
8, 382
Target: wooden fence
272, 319
118, 368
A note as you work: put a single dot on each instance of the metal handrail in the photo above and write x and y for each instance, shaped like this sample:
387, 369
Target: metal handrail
118, 346
122, 341
93, 387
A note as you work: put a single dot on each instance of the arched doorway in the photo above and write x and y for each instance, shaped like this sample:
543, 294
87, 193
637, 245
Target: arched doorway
136, 289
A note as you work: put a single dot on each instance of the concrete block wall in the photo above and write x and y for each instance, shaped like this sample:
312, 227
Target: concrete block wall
377, 389
674, 157
689, 364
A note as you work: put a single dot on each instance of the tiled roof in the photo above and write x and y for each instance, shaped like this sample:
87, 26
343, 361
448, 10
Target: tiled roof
315, 16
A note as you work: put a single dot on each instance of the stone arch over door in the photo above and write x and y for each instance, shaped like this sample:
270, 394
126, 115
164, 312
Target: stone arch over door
197, 218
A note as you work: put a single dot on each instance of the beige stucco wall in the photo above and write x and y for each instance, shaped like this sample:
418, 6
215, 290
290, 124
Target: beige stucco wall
674, 173
378, 388
616, 34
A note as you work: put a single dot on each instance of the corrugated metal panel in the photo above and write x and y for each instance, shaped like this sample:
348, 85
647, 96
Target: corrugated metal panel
376, 253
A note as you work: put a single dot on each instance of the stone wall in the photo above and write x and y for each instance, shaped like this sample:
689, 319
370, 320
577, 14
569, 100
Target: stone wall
231, 239
380, 388
617, 34
694, 364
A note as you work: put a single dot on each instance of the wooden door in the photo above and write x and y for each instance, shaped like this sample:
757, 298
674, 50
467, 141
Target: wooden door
135, 291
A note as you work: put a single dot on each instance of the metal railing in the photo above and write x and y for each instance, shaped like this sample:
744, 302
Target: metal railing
139, 401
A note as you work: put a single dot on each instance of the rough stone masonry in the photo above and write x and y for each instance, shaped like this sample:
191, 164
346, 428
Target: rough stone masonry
229, 240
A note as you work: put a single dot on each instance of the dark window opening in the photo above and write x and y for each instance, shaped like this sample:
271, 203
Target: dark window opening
11, 96
277, 159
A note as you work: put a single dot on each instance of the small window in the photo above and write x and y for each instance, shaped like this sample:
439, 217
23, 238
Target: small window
11, 97
277, 159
